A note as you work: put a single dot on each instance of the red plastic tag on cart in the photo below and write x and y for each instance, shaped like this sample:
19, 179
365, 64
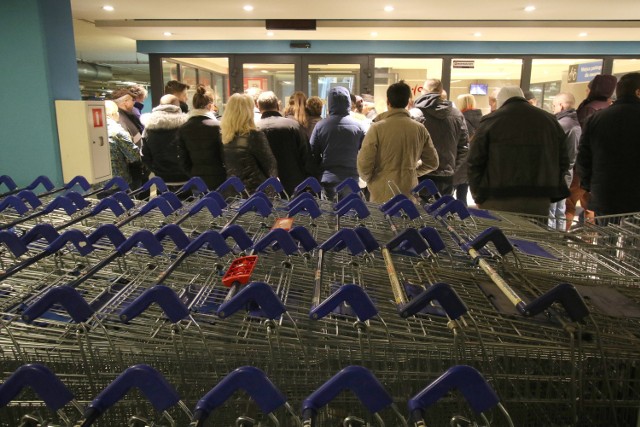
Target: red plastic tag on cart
240, 271
284, 223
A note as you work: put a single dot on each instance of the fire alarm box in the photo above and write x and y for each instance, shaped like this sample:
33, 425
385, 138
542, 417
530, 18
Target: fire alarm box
84, 141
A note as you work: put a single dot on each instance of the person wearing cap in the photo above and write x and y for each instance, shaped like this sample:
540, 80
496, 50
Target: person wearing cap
518, 158
609, 151
599, 93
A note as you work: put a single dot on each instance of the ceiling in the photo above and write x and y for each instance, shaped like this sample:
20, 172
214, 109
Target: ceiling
108, 37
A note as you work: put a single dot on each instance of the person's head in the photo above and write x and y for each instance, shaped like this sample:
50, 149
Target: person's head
314, 106
432, 86
466, 102
629, 86
111, 110
170, 100
296, 107
254, 93
493, 99
563, 101
179, 89
506, 93
601, 87
268, 101
398, 95
531, 98
123, 99
138, 92
237, 118
202, 99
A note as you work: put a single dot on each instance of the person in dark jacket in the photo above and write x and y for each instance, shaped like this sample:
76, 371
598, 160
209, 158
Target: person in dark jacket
599, 92
246, 150
288, 143
467, 105
335, 142
563, 104
179, 90
448, 131
314, 111
160, 140
518, 158
609, 151
200, 149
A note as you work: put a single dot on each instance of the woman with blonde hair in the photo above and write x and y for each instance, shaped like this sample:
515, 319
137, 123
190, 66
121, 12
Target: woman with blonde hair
296, 109
247, 153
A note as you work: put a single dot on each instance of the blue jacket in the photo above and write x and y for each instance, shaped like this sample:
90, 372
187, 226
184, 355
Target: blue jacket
335, 141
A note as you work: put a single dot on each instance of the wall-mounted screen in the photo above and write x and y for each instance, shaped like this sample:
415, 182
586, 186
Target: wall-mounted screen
478, 89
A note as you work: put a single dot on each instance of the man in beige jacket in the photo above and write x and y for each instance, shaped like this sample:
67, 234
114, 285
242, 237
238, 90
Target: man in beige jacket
396, 149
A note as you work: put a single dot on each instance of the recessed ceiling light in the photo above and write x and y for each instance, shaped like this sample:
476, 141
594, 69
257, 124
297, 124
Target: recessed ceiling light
264, 71
164, 61
477, 34
168, 33
374, 34
583, 35
270, 33
530, 8
388, 8
108, 8
248, 8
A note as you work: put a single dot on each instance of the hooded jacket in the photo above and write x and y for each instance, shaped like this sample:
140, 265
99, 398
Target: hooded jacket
390, 153
160, 142
601, 89
447, 128
568, 120
608, 157
200, 149
518, 151
335, 141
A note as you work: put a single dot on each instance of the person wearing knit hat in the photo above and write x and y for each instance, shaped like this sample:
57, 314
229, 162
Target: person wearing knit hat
599, 93
518, 158
531, 98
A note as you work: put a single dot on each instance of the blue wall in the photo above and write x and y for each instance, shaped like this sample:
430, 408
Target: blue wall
39, 66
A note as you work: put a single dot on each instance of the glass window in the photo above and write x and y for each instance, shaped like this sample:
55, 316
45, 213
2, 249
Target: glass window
414, 71
211, 72
625, 66
552, 76
278, 78
169, 71
323, 77
482, 76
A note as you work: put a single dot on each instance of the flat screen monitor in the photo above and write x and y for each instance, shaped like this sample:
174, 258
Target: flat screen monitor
478, 89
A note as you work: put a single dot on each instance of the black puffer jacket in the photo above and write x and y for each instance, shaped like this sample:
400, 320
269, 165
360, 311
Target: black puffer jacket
200, 149
160, 143
447, 128
250, 159
518, 151
289, 144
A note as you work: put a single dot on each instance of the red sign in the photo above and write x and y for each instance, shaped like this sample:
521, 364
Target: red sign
97, 117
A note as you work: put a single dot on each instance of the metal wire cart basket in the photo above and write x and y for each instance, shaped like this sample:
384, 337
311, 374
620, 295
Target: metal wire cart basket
220, 308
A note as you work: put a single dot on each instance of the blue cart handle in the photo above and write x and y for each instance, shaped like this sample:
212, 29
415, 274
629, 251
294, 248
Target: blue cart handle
408, 240
160, 203
165, 297
152, 384
194, 183
565, 294
370, 243
76, 237
14, 202
273, 183
124, 199
175, 233
161, 187
40, 378
277, 239
250, 379
13, 242
42, 230
357, 205
310, 183
213, 240
108, 203
61, 202
307, 205
30, 197
359, 380
231, 182
429, 186
8, 182
494, 235
392, 201
433, 207
443, 294
263, 196
299, 197
344, 238
67, 297
80, 181
352, 294
144, 238
173, 200
109, 231
258, 293
77, 199
41, 180
304, 237
217, 197
116, 182
238, 234
433, 238
210, 203
346, 199
255, 204
349, 183
453, 207
478, 394
407, 206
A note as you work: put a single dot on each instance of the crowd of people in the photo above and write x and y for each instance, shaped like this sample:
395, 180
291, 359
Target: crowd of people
518, 158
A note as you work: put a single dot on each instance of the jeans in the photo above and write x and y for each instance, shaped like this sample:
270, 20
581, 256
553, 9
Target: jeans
461, 193
557, 217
